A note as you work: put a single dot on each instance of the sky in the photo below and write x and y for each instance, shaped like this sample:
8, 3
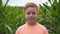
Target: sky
23, 2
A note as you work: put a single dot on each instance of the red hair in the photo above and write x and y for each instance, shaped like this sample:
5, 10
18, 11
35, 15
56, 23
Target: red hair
30, 4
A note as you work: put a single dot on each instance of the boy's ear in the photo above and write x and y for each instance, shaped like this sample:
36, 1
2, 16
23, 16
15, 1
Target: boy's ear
38, 13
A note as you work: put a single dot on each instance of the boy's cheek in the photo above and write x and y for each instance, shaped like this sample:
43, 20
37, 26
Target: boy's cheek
34, 17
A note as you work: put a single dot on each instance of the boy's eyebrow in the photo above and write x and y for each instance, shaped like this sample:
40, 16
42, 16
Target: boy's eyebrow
32, 10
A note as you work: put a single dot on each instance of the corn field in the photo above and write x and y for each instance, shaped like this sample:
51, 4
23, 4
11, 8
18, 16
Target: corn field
12, 17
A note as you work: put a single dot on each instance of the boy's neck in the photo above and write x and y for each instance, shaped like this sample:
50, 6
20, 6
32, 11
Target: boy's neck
31, 24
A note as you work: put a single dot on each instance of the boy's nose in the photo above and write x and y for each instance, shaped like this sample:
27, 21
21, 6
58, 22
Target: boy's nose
31, 15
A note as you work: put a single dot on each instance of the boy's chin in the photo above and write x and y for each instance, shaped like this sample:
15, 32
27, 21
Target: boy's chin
31, 21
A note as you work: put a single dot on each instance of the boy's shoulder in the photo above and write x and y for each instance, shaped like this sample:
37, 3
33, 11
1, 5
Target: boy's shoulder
43, 28
19, 29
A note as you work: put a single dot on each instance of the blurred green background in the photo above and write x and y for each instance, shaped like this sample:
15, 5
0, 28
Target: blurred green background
12, 17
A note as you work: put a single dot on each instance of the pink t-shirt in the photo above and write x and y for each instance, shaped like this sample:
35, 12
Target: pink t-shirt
28, 29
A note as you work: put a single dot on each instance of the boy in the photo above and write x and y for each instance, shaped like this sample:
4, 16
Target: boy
31, 26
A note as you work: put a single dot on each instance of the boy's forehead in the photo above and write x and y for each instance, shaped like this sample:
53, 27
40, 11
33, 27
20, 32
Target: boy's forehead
31, 9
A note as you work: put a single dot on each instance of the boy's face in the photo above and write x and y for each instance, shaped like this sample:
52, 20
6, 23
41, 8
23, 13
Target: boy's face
31, 14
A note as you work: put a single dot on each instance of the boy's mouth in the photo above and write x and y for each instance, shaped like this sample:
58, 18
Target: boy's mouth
31, 18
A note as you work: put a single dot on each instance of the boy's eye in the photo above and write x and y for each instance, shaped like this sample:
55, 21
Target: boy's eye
28, 13
33, 13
